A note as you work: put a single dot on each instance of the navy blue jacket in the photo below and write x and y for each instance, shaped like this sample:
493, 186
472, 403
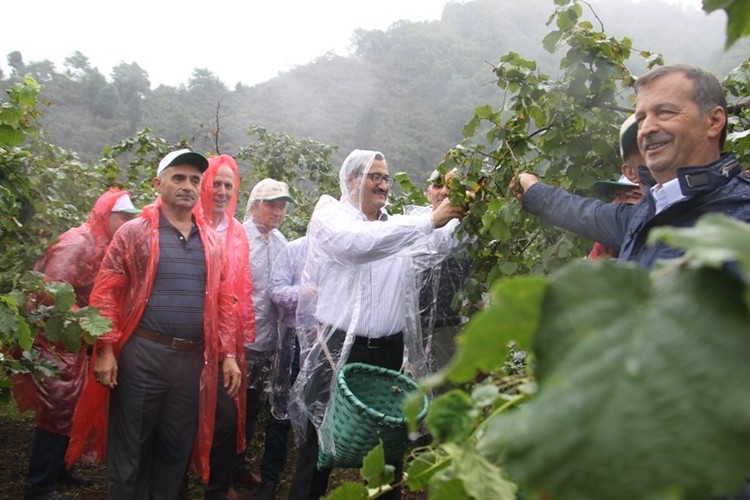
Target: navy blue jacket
718, 187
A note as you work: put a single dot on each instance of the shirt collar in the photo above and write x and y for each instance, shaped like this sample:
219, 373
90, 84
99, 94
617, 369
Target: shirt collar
223, 224
382, 214
666, 194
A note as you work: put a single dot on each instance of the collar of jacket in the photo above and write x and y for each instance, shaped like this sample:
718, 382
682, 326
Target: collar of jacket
694, 180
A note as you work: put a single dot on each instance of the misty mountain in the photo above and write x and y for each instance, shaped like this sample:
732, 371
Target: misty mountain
406, 91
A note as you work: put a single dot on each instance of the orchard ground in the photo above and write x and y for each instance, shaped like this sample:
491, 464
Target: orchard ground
16, 431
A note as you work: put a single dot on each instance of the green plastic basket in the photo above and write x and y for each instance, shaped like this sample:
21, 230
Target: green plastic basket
367, 408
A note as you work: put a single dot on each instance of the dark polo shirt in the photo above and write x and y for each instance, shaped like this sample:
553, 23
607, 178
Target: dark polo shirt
175, 306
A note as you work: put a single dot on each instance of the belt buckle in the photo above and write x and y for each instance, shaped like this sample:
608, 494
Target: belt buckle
372, 346
173, 344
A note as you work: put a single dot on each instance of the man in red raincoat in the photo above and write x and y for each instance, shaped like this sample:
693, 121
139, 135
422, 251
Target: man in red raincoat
152, 396
74, 259
218, 200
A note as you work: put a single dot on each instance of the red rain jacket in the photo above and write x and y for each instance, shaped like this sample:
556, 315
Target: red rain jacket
120, 292
237, 253
74, 259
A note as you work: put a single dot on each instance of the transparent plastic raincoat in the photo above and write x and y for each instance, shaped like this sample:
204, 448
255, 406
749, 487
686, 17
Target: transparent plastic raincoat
237, 252
284, 290
261, 353
74, 259
358, 278
441, 264
121, 290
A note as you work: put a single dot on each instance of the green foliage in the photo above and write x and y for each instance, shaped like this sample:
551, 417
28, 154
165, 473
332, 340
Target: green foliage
36, 305
737, 85
637, 376
511, 322
738, 15
563, 129
304, 164
374, 469
18, 114
621, 395
627, 362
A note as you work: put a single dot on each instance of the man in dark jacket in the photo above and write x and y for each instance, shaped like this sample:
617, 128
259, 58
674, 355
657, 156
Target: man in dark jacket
682, 119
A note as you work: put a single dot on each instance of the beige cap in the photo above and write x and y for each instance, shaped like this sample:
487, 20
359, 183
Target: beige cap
270, 189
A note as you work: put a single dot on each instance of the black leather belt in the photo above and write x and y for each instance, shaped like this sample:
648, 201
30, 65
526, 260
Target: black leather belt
172, 342
377, 343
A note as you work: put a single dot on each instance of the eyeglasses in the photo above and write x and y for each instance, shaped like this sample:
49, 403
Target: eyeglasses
378, 178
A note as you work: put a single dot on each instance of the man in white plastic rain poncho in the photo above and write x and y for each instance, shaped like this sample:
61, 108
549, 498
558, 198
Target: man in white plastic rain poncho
358, 301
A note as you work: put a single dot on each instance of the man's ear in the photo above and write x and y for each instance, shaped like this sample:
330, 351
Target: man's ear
629, 172
717, 119
351, 182
157, 184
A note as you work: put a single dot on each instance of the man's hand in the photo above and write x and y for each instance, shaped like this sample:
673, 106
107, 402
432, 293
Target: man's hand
105, 366
445, 212
521, 183
232, 376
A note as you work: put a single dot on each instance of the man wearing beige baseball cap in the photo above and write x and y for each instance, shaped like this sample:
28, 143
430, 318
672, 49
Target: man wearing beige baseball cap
266, 209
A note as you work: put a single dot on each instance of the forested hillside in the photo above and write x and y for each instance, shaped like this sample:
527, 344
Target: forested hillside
406, 91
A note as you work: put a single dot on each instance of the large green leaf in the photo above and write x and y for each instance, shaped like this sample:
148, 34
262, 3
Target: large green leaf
451, 416
424, 466
738, 17
8, 316
92, 323
10, 136
513, 315
374, 469
63, 293
481, 479
25, 335
469, 476
72, 336
713, 241
642, 388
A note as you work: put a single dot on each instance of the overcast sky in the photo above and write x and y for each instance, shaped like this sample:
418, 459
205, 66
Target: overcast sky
237, 40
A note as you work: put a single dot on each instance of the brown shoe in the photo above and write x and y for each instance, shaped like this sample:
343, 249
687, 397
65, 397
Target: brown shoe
248, 477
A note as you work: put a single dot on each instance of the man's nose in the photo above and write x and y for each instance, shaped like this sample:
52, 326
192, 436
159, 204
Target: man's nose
646, 126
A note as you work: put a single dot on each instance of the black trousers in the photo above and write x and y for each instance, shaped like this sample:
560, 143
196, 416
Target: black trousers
46, 463
224, 445
277, 431
311, 483
153, 417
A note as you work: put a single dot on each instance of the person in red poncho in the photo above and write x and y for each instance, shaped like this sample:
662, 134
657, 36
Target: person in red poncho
74, 259
151, 396
218, 201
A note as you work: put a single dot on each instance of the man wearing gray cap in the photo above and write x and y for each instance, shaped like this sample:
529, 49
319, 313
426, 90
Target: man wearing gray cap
627, 188
266, 209
162, 283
